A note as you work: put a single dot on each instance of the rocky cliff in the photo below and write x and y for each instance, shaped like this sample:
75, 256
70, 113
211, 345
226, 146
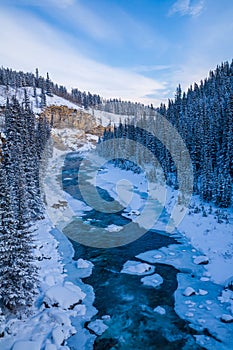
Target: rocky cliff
72, 127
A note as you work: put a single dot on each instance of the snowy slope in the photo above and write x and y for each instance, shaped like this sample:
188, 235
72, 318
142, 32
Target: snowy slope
19, 93
102, 118
106, 118
64, 302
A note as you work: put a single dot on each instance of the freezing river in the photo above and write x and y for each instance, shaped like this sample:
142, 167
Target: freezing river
133, 323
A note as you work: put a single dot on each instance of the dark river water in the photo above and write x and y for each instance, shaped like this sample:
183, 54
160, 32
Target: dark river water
133, 325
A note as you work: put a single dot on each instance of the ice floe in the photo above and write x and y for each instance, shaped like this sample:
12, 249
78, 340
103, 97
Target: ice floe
113, 228
160, 310
137, 268
152, 280
97, 326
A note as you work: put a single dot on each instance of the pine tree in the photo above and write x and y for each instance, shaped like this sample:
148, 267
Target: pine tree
18, 275
48, 86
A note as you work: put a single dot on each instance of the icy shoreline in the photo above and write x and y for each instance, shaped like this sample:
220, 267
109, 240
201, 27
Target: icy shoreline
64, 302
204, 307
205, 261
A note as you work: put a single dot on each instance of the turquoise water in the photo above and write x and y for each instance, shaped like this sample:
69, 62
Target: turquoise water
132, 324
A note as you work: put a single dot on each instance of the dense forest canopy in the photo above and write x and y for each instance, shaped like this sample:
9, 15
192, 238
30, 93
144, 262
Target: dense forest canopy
204, 118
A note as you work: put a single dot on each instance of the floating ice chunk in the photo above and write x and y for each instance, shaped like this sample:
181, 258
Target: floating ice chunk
152, 280
189, 291
98, 327
201, 260
113, 228
137, 268
64, 296
226, 318
27, 345
82, 264
204, 279
106, 317
160, 310
189, 314
202, 292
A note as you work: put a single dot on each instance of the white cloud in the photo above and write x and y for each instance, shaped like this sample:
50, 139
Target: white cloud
27, 43
95, 26
187, 7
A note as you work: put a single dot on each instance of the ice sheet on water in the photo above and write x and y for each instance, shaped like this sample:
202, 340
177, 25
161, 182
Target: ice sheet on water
83, 264
203, 310
152, 280
98, 326
137, 268
114, 228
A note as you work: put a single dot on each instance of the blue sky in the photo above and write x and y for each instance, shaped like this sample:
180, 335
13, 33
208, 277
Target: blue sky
138, 50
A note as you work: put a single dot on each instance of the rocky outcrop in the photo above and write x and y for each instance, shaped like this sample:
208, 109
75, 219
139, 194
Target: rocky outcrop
62, 117
72, 128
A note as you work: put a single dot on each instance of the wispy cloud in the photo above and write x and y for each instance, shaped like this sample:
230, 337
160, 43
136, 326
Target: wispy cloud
40, 3
80, 16
27, 42
61, 3
151, 68
187, 7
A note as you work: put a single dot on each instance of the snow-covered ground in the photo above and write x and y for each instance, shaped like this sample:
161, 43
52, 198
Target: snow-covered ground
72, 139
206, 234
102, 118
107, 118
64, 302
59, 302
19, 93
204, 258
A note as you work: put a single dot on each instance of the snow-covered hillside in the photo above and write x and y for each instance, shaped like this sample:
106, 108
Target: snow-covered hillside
19, 93
101, 117
106, 118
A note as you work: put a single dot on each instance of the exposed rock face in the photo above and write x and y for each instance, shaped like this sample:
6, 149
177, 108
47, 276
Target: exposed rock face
63, 117
72, 127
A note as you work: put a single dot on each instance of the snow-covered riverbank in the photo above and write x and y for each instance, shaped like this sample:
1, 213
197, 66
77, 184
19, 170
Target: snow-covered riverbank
204, 258
63, 303
208, 236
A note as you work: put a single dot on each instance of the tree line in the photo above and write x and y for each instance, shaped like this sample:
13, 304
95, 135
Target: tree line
23, 143
9, 77
203, 116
